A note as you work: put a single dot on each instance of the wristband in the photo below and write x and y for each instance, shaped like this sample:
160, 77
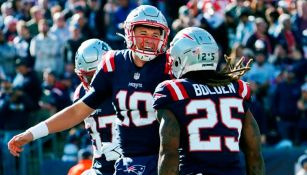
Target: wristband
39, 130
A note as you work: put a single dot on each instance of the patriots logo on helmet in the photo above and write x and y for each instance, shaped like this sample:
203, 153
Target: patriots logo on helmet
136, 169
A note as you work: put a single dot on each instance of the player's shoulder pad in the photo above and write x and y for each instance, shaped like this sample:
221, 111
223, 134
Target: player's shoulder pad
244, 90
77, 93
107, 63
176, 89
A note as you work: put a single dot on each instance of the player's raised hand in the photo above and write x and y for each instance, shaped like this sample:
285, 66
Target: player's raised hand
16, 143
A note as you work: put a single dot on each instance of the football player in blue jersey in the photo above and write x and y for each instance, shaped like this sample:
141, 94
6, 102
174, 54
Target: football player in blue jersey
129, 77
101, 123
204, 114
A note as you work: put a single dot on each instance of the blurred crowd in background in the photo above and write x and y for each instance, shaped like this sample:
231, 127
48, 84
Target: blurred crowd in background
39, 38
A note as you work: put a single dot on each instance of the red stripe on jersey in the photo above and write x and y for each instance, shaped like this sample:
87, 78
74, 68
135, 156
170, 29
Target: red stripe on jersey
108, 64
112, 60
240, 87
77, 93
172, 91
182, 89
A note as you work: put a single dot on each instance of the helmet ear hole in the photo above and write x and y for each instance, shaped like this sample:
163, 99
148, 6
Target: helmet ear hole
176, 63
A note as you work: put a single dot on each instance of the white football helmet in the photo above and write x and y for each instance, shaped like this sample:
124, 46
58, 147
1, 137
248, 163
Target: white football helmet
88, 56
193, 49
148, 16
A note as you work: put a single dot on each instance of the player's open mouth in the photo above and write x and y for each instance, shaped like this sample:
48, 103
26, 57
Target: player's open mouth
148, 49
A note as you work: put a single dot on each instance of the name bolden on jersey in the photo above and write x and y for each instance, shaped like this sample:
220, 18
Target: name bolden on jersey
201, 89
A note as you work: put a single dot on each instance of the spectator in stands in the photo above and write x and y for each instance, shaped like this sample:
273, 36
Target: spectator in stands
85, 162
262, 35
213, 21
45, 48
6, 10
271, 16
72, 44
59, 29
27, 82
261, 73
95, 16
120, 15
14, 107
285, 109
258, 110
285, 34
56, 94
185, 19
22, 43
245, 28
258, 8
231, 29
302, 107
82, 22
9, 30
22, 9
7, 56
36, 16
44, 5
300, 18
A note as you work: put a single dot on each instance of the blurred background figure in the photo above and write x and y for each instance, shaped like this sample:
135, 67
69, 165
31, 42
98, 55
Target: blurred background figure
84, 162
46, 50
302, 107
22, 43
184, 20
7, 56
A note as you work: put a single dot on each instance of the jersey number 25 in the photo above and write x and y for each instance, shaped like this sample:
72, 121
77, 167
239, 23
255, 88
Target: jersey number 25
209, 121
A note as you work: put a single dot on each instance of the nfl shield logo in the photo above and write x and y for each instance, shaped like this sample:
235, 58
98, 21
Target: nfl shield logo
136, 76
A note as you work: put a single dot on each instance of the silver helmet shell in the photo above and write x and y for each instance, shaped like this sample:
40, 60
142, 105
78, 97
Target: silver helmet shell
87, 58
193, 49
148, 16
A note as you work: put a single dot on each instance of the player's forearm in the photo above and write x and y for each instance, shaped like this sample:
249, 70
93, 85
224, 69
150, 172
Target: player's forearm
168, 163
68, 117
254, 164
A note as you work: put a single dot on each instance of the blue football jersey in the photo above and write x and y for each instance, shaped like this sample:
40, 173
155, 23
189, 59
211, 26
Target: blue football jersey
131, 89
210, 120
101, 127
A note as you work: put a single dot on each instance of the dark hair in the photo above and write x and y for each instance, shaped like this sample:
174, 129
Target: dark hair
209, 77
231, 72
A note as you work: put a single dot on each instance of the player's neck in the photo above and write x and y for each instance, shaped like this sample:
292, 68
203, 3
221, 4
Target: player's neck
137, 61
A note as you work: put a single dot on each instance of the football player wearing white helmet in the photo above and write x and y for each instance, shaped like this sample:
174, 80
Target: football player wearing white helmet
146, 32
101, 123
129, 78
205, 113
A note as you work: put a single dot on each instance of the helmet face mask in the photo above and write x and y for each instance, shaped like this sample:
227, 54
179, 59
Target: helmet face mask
87, 58
193, 49
151, 17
